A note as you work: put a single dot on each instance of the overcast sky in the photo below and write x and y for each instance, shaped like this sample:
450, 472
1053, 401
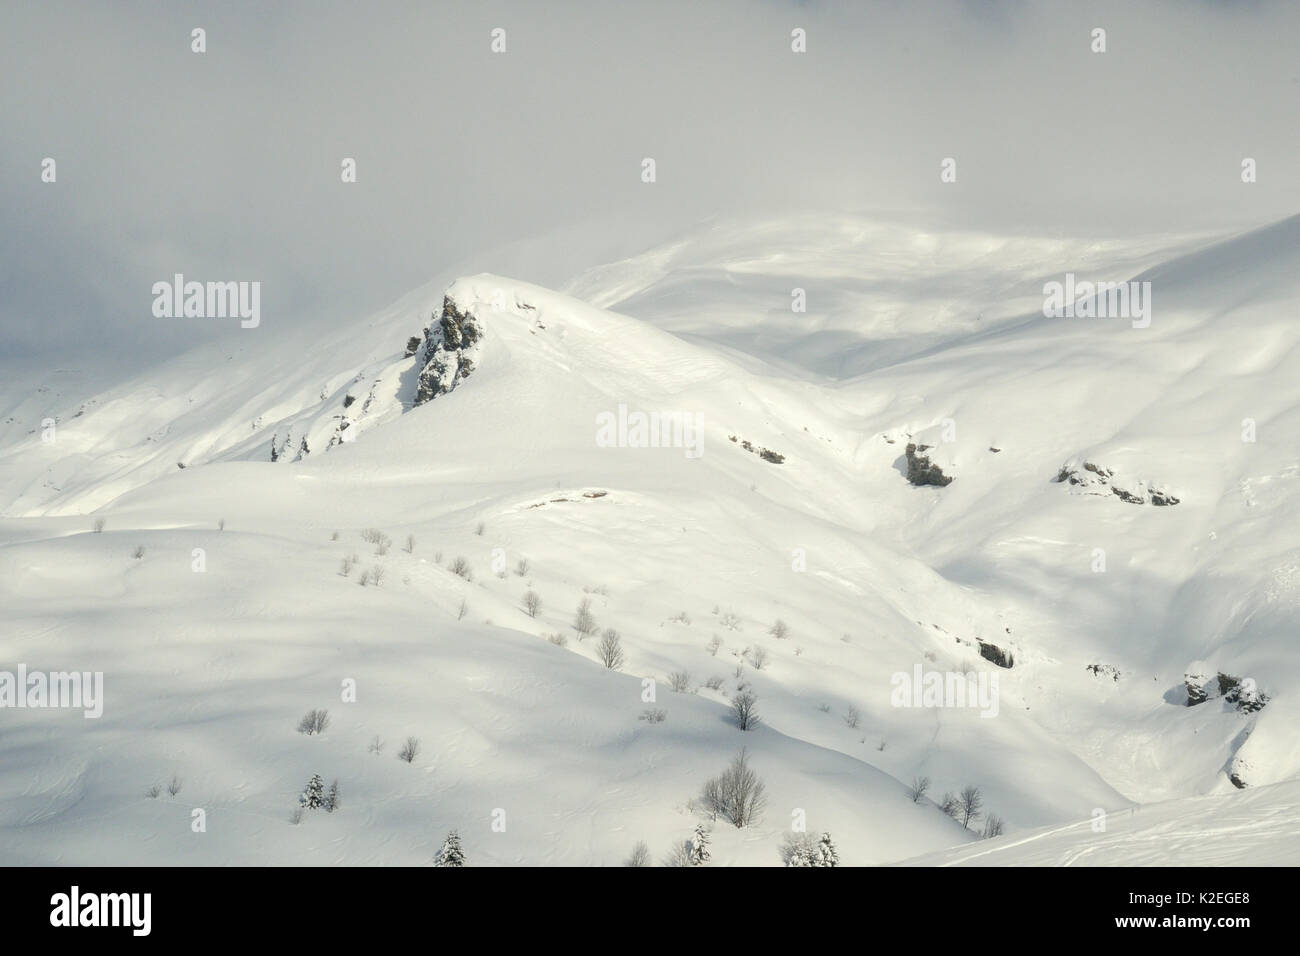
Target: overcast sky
226, 164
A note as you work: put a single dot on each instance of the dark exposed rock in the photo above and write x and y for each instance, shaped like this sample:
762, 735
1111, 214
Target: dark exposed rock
412, 346
1241, 693
996, 655
1104, 670
1127, 496
766, 454
1195, 680
446, 343
1093, 475
922, 471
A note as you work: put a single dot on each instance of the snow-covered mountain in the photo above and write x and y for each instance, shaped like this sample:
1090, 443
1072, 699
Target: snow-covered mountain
868, 434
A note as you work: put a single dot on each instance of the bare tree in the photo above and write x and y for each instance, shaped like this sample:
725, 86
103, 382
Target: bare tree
758, 657
410, 544
461, 567
640, 855
153, 791
711, 796
99, 526
610, 650
583, 620
949, 805
918, 789
381, 541
745, 707
138, 553
376, 575
679, 855
174, 785
221, 524
462, 610
993, 826
852, 717
314, 722
376, 745
714, 644
521, 569
780, 629
478, 530
738, 794
409, 750
532, 603
969, 804
680, 681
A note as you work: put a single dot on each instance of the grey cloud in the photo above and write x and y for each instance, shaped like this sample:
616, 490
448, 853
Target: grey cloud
226, 165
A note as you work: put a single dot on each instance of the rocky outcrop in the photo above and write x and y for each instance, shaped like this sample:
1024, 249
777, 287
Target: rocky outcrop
1241, 771
1104, 670
1203, 684
1242, 693
450, 348
921, 470
996, 655
766, 454
1092, 478
1195, 679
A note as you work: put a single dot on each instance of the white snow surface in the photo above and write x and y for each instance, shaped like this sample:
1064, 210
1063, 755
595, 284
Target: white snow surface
908, 336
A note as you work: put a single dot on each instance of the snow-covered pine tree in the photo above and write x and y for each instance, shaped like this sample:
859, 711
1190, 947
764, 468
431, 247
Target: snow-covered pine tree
332, 798
313, 798
451, 853
700, 846
825, 853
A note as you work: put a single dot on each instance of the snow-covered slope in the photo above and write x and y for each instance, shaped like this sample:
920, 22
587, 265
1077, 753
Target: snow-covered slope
1260, 827
779, 492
